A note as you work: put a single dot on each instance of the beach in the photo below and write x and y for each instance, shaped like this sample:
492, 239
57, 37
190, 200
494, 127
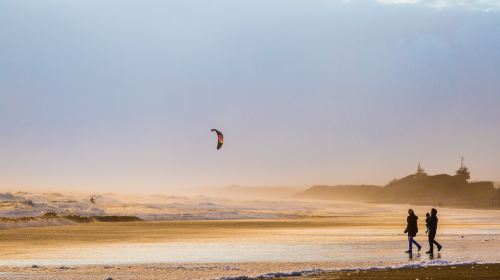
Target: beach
368, 240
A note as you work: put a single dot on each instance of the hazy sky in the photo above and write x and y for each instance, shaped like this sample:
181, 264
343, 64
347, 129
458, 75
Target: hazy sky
121, 95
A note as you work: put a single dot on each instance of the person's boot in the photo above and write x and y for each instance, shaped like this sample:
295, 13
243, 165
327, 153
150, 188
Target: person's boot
429, 252
419, 247
439, 247
408, 252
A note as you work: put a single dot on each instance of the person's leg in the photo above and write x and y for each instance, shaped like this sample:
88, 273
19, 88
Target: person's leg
416, 243
431, 243
410, 239
437, 244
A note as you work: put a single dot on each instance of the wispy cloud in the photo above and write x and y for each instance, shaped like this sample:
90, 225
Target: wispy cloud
483, 5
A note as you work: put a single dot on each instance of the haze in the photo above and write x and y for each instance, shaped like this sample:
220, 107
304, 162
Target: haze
120, 96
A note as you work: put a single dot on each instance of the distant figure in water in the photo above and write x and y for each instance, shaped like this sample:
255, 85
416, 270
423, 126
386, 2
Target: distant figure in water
412, 229
427, 219
433, 223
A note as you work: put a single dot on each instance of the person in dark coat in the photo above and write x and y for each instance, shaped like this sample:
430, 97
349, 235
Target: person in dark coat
412, 229
433, 223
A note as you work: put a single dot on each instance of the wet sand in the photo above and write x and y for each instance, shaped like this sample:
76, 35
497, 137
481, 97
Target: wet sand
20, 241
230, 248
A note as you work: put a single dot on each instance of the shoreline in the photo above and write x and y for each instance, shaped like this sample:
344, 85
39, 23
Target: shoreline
249, 271
473, 271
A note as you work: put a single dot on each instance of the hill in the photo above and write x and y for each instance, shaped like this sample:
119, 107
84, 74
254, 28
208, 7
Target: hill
439, 190
362, 193
442, 189
249, 192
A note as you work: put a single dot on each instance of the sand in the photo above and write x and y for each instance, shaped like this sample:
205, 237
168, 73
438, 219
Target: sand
22, 241
218, 271
230, 248
455, 272
149, 271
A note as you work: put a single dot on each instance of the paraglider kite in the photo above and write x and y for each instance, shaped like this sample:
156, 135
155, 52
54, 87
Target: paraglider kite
220, 138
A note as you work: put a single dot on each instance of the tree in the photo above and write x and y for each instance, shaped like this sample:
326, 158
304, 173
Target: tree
463, 172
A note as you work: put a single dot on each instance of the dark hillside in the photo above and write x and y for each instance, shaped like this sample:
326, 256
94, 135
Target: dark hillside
439, 190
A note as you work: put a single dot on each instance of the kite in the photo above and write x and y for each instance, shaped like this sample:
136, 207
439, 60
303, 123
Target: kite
220, 138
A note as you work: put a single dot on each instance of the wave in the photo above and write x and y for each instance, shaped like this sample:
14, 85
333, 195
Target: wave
52, 219
85, 219
157, 208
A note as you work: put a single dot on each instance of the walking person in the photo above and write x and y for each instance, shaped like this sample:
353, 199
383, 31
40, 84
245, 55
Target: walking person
433, 223
412, 229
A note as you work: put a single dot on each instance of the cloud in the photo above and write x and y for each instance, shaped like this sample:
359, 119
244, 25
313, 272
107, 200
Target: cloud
483, 5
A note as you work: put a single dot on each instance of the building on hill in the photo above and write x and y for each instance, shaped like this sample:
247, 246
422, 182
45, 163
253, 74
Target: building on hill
420, 170
463, 171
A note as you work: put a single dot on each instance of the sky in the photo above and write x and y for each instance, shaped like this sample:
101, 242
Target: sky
120, 95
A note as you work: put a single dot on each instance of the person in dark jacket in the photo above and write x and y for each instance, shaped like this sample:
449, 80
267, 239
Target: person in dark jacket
433, 223
412, 229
